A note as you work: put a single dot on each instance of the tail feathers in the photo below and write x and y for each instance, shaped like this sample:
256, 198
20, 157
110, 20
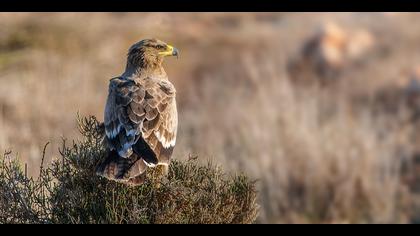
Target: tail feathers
136, 181
129, 170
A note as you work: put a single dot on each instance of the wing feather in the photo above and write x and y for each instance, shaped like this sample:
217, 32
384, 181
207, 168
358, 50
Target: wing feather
145, 110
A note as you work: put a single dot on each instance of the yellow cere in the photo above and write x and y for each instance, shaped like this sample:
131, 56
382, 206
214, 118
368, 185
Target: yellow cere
167, 52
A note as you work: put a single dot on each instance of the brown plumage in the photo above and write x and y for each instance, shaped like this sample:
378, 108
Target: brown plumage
140, 115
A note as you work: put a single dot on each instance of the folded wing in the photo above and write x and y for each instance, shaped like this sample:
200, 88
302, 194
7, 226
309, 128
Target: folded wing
141, 117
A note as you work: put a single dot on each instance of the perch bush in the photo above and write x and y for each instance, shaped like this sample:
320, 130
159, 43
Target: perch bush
68, 191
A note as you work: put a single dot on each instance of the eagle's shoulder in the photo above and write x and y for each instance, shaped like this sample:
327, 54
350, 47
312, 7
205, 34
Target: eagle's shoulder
167, 87
119, 82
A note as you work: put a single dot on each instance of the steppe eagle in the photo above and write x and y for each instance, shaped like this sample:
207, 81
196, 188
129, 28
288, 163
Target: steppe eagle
140, 117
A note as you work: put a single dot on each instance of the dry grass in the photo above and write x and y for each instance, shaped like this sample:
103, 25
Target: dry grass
316, 158
320, 154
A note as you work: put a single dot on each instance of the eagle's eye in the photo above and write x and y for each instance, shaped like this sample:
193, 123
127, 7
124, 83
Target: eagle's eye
160, 47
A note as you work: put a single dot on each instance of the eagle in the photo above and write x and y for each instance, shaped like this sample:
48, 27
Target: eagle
140, 117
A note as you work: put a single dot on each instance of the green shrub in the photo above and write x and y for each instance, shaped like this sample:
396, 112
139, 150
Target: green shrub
68, 191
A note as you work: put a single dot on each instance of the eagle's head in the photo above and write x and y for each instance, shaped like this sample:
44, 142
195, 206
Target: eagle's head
149, 54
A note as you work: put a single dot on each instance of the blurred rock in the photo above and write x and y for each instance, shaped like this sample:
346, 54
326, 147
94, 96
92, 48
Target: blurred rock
329, 51
361, 41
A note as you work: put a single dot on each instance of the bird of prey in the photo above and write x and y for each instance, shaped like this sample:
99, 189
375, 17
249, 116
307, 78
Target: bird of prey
140, 115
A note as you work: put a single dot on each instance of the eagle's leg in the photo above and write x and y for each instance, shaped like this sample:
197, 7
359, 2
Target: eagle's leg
163, 169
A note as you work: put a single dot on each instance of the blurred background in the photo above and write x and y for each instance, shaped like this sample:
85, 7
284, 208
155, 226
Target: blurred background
322, 109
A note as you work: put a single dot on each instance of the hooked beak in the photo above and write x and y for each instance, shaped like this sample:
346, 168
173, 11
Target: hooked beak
175, 52
171, 51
